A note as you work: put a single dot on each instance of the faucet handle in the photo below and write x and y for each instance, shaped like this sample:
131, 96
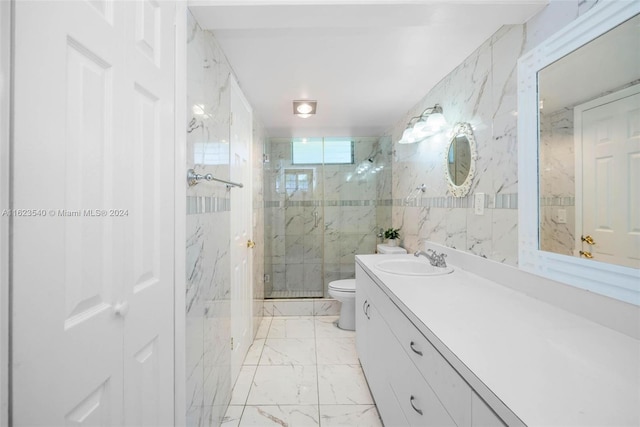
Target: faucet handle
441, 262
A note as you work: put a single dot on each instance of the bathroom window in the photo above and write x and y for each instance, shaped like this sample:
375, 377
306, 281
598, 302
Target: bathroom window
298, 180
315, 151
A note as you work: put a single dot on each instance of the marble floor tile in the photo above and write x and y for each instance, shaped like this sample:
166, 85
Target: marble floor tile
284, 385
326, 327
263, 328
343, 385
305, 372
292, 327
349, 416
280, 415
232, 416
336, 351
243, 385
289, 351
255, 351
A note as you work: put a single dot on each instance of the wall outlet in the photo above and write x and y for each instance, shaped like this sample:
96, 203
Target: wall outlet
478, 205
562, 216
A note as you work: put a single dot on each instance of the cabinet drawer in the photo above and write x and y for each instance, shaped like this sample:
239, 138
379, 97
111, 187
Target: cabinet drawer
448, 385
419, 403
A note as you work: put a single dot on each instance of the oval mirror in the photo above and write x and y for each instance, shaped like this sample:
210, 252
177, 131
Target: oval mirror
460, 160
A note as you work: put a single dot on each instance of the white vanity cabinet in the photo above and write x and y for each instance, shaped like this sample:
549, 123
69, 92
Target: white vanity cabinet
372, 338
411, 382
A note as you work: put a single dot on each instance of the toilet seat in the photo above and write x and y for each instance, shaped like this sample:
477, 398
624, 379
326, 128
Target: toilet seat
346, 285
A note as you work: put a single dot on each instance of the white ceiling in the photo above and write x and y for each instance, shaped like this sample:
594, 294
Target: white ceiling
365, 62
606, 64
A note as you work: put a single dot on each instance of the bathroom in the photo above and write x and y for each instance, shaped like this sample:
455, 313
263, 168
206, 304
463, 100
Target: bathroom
309, 221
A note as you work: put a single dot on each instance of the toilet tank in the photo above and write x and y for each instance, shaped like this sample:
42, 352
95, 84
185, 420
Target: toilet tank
386, 249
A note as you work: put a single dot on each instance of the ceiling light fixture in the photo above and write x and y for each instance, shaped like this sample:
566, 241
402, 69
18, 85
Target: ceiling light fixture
304, 108
427, 124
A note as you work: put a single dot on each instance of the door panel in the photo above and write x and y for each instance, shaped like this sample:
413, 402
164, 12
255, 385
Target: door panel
94, 410
241, 210
87, 153
93, 276
611, 156
67, 343
148, 328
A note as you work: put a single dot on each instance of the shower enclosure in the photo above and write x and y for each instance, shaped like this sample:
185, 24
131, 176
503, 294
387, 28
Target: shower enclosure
325, 199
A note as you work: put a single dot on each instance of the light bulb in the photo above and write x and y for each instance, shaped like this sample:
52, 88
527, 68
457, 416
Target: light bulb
304, 108
408, 136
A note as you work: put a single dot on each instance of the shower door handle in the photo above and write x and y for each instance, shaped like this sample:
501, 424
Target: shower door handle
315, 216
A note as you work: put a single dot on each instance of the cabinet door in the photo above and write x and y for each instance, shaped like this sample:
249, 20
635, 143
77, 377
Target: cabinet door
382, 360
362, 284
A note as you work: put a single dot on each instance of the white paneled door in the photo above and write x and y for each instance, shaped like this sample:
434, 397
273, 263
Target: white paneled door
241, 131
608, 141
92, 332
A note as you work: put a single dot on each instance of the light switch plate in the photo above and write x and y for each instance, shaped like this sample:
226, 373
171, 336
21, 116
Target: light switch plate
478, 204
562, 216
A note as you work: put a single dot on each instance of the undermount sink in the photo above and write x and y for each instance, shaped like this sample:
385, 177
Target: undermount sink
412, 267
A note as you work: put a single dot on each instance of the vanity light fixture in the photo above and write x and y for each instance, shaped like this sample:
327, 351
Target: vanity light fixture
304, 108
427, 124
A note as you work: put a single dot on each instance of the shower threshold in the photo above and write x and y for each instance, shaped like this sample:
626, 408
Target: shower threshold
294, 294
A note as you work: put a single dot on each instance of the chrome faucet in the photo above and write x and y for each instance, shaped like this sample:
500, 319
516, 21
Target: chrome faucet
437, 260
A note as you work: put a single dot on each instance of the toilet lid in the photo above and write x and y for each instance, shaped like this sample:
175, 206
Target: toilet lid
343, 285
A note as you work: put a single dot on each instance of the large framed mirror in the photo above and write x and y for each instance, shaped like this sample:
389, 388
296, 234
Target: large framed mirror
579, 153
460, 160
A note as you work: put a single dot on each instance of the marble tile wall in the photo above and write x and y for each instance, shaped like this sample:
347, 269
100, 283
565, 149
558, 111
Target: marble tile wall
208, 276
482, 91
557, 182
314, 235
482, 94
208, 327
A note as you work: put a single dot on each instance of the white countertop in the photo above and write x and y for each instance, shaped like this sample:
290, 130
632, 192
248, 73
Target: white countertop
547, 365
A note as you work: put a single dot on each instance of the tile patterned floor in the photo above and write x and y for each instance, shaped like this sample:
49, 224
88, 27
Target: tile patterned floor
302, 371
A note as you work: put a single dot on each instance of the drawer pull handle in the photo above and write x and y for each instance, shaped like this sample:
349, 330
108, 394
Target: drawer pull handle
414, 350
365, 309
414, 406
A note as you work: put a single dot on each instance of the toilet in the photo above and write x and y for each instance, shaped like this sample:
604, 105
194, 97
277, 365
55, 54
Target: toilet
345, 292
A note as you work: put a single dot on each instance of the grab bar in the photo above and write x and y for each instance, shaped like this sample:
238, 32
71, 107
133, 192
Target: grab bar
193, 178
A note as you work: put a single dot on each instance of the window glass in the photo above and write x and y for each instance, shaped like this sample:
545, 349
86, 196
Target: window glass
332, 151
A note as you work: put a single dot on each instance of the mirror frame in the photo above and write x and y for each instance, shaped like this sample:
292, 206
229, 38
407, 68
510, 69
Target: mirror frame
622, 283
465, 129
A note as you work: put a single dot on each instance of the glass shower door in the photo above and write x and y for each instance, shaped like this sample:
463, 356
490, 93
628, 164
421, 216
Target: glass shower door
294, 224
